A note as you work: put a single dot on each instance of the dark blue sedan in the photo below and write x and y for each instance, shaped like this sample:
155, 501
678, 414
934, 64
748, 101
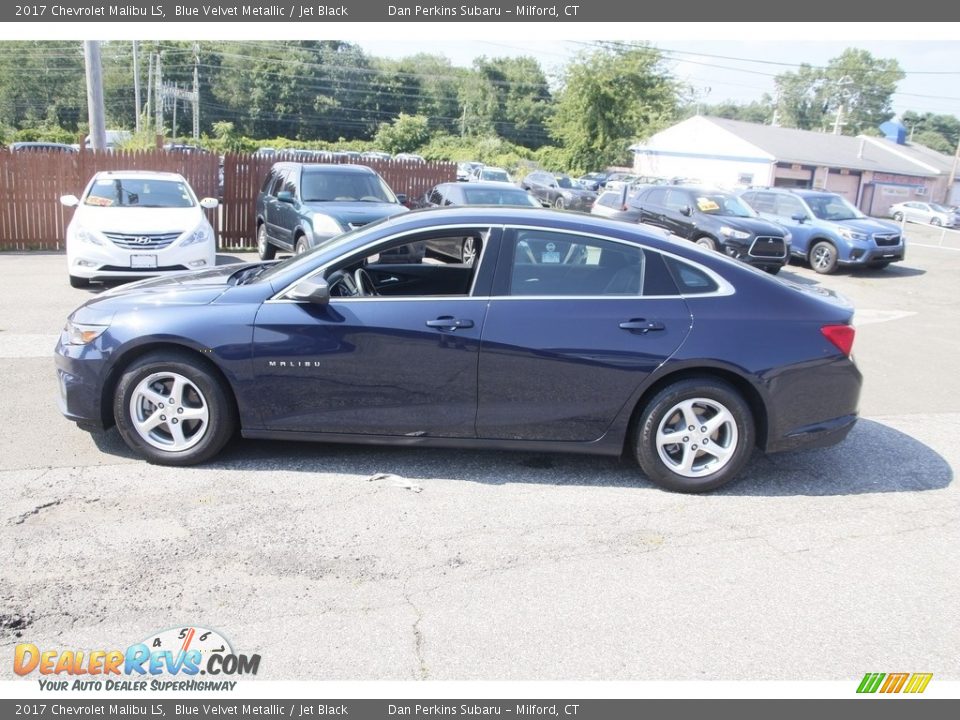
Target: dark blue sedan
564, 333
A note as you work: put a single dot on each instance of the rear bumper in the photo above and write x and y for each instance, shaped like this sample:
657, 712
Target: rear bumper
817, 435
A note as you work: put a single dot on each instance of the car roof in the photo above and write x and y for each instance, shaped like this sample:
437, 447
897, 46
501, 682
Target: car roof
155, 174
328, 167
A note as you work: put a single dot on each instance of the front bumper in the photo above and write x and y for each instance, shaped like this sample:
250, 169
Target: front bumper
80, 369
93, 262
861, 256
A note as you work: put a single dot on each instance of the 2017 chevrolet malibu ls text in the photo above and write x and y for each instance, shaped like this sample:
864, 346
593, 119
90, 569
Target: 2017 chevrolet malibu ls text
563, 333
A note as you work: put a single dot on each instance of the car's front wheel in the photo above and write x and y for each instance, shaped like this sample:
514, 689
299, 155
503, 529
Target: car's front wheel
173, 410
706, 242
265, 250
823, 258
935, 222
302, 245
559, 203
898, 216
694, 435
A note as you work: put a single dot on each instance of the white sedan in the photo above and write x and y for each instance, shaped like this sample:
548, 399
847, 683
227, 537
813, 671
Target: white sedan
924, 212
132, 224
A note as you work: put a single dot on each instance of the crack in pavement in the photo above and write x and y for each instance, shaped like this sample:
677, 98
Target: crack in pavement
36, 511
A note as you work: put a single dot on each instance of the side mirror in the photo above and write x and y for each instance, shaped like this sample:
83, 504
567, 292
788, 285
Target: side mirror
209, 203
799, 217
312, 290
285, 196
402, 198
685, 210
69, 200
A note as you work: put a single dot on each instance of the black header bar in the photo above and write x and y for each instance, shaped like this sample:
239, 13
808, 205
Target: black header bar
611, 11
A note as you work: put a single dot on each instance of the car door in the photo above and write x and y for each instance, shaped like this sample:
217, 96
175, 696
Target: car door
400, 365
272, 207
288, 213
566, 344
651, 204
678, 213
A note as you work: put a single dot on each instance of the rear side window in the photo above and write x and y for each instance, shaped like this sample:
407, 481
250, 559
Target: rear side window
690, 279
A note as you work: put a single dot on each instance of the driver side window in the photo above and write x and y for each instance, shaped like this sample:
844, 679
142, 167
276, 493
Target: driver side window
424, 264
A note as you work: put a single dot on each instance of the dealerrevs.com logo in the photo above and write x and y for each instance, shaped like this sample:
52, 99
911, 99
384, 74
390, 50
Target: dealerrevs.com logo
169, 660
891, 683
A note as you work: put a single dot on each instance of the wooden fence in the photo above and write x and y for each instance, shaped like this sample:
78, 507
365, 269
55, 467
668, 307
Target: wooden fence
31, 183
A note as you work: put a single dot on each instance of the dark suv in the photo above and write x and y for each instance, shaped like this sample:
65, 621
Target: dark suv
717, 220
303, 205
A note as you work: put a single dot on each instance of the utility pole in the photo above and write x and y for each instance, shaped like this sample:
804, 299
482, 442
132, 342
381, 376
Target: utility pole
149, 88
136, 82
158, 86
98, 128
173, 131
845, 82
953, 175
196, 91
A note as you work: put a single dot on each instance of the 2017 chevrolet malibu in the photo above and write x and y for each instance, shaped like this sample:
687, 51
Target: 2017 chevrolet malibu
564, 333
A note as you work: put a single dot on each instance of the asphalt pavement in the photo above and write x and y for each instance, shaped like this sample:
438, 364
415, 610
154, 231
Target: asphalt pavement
463, 564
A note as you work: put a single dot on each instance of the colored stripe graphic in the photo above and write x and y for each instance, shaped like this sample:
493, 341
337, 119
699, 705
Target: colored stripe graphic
918, 683
870, 682
895, 682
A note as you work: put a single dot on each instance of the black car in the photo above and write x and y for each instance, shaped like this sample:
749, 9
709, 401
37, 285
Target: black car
478, 193
303, 205
560, 191
568, 333
717, 220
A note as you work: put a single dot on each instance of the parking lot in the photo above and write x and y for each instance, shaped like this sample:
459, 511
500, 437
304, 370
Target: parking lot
816, 565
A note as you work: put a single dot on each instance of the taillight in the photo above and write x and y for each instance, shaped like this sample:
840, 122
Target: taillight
841, 336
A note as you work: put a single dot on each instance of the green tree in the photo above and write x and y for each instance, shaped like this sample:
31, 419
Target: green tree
405, 134
861, 84
42, 85
611, 96
940, 132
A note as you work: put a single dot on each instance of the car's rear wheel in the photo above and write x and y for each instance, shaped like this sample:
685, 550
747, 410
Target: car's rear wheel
79, 282
265, 250
468, 251
302, 245
823, 257
706, 242
173, 410
694, 435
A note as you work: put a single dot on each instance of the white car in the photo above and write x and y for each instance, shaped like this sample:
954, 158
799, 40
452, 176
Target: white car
924, 212
488, 173
134, 224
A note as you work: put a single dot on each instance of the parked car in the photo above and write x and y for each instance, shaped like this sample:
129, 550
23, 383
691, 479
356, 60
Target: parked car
489, 173
42, 147
593, 181
615, 204
409, 157
635, 345
132, 224
114, 139
479, 193
560, 191
301, 205
465, 169
619, 179
716, 220
827, 231
375, 155
924, 212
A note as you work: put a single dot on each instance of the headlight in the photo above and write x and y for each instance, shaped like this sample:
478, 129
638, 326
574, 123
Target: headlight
202, 234
855, 236
87, 236
326, 225
80, 334
729, 232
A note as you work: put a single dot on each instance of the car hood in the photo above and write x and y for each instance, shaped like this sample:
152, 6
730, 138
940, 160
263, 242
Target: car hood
136, 220
355, 213
862, 225
757, 226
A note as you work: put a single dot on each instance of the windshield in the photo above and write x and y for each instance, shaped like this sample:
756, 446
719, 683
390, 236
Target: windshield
724, 205
139, 192
521, 198
495, 175
565, 182
306, 259
345, 187
832, 207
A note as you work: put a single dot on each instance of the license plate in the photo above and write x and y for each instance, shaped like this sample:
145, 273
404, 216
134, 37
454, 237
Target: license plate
550, 257
140, 262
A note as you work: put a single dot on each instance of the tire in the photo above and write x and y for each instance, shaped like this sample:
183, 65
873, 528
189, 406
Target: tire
898, 216
468, 251
686, 465
823, 257
878, 264
706, 242
142, 396
302, 245
935, 222
78, 282
265, 250
559, 203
